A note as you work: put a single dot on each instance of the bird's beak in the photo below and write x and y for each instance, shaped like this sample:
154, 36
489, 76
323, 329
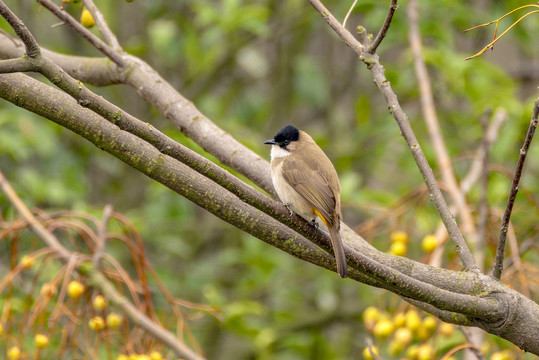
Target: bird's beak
271, 142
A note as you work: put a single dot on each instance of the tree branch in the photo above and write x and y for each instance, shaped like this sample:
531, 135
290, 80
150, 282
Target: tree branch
385, 27
377, 70
500, 249
30, 94
102, 25
433, 125
92, 39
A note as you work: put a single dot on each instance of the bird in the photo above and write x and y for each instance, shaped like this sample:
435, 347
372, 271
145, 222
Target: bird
308, 184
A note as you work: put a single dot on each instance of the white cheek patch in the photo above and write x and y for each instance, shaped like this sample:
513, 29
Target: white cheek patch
278, 152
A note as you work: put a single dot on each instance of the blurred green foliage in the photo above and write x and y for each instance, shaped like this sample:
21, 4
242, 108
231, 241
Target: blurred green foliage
252, 67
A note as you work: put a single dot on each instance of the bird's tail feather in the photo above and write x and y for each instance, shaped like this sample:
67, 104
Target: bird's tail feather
338, 249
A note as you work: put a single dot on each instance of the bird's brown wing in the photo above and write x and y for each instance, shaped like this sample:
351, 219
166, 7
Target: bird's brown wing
312, 185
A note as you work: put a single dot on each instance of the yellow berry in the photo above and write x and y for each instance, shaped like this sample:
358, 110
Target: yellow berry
143, 357
75, 289
399, 236
370, 316
501, 355
446, 329
383, 328
412, 320
14, 353
429, 243
86, 18
425, 352
367, 352
411, 352
399, 320
395, 348
41, 341
1, 330
27, 262
403, 337
156, 355
429, 323
113, 320
423, 334
96, 323
99, 302
398, 249
122, 357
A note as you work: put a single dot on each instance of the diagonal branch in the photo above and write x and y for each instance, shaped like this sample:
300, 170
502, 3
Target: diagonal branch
102, 25
385, 27
500, 249
30, 94
92, 39
377, 70
433, 125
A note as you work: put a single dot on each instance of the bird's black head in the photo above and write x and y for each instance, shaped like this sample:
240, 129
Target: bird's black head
284, 136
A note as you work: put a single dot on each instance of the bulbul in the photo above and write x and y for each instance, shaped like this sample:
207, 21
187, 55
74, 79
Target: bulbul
307, 183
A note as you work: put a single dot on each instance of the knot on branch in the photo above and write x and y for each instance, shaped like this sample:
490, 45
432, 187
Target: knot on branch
497, 321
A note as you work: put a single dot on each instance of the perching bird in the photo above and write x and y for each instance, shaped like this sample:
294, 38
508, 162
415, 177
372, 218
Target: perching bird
307, 183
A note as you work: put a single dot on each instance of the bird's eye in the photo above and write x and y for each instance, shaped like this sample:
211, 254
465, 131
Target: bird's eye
286, 142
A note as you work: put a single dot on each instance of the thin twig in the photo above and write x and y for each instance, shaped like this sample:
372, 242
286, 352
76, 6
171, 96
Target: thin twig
497, 21
433, 125
490, 136
102, 235
469, 335
92, 39
348, 13
102, 25
500, 249
383, 31
483, 188
377, 70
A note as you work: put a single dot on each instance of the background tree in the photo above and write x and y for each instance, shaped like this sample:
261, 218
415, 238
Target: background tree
252, 68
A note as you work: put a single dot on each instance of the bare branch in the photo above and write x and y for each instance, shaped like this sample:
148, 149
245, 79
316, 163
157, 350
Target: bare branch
500, 249
483, 188
32, 48
385, 27
102, 25
102, 235
92, 39
377, 70
433, 126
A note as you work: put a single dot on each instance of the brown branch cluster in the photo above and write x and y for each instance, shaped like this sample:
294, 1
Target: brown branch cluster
467, 298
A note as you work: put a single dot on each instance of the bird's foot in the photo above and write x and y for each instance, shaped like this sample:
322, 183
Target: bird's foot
314, 223
290, 212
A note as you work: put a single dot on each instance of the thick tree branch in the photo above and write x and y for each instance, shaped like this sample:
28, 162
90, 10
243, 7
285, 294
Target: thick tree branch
25, 92
500, 249
377, 269
158, 92
377, 70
